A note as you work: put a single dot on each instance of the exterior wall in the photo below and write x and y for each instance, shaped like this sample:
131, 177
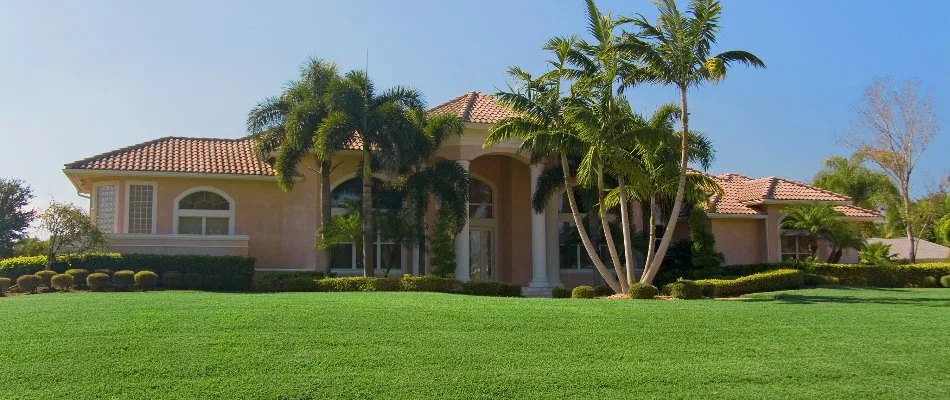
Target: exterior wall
512, 211
742, 241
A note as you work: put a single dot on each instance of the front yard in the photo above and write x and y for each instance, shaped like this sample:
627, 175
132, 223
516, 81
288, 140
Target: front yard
819, 343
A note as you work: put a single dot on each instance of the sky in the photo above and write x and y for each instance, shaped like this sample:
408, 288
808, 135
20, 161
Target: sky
82, 78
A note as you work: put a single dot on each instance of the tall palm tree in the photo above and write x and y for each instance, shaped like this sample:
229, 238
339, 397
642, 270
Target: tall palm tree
285, 127
867, 188
677, 51
378, 120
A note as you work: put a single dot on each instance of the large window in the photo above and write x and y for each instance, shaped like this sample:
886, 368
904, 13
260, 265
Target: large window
105, 208
141, 207
480, 200
346, 198
204, 212
571, 251
795, 245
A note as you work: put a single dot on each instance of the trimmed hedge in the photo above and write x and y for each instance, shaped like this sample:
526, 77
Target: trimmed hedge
560, 292
815, 280
582, 292
62, 282
46, 276
146, 280
643, 291
226, 266
603, 291
429, 283
79, 275
357, 284
945, 281
684, 289
783, 279
124, 279
490, 288
908, 275
213, 282
97, 281
29, 283
278, 281
191, 281
172, 280
5, 284
240, 283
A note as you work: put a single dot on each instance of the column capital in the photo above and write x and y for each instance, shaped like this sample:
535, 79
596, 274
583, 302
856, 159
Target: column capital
464, 163
536, 169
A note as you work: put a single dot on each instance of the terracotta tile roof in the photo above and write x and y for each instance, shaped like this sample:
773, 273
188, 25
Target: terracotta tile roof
792, 190
728, 202
741, 194
474, 107
857, 212
181, 154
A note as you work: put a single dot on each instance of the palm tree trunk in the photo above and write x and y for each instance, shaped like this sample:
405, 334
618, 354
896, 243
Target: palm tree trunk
651, 237
369, 262
627, 240
582, 232
326, 210
654, 267
608, 236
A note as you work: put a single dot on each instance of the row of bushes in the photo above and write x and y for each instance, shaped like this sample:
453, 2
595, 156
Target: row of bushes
225, 266
782, 279
316, 282
908, 275
104, 279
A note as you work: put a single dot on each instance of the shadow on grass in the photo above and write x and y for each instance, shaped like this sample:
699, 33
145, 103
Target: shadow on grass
805, 298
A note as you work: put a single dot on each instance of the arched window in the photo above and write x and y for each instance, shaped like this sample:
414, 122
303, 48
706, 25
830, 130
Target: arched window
480, 200
345, 198
204, 211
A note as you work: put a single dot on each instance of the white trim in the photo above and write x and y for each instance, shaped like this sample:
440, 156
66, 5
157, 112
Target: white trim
158, 174
284, 270
94, 203
141, 236
736, 216
154, 185
229, 214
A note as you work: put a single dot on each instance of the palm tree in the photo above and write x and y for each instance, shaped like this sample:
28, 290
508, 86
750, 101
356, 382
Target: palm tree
815, 219
841, 236
383, 120
867, 188
676, 51
285, 127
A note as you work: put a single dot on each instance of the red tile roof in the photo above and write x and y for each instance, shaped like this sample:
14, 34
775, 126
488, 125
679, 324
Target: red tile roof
474, 107
181, 154
857, 212
741, 194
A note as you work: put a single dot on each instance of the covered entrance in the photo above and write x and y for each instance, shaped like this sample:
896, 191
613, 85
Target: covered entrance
482, 254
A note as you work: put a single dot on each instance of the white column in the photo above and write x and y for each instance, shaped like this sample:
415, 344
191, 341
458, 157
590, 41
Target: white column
539, 256
462, 244
415, 260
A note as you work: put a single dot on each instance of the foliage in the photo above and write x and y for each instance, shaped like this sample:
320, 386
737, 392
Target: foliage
78, 274
603, 291
30, 247
123, 279
106, 271
817, 280
240, 283
358, 284
849, 176
490, 288
560, 292
62, 282
642, 290
5, 284
213, 282
942, 230
172, 280
782, 279
97, 281
877, 253
583, 292
822, 221
146, 280
15, 196
278, 281
45, 276
427, 283
70, 228
206, 265
443, 248
944, 281
930, 281
342, 229
191, 281
29, 283
684, 289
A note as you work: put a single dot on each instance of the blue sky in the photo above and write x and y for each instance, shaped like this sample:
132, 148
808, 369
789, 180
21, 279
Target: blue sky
81, 78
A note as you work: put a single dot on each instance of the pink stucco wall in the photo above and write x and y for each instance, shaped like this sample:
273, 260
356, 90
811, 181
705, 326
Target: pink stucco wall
742, 241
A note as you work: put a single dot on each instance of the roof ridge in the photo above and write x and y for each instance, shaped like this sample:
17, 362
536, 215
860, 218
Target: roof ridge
119, 150
467, 111
770, 191
805, 185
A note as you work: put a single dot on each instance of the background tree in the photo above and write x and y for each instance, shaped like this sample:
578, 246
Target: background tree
867, 188
70, 229
822, 221
15, 195
30, 247
896, 124
677, 51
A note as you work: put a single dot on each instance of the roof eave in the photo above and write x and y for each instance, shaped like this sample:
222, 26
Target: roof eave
71, 173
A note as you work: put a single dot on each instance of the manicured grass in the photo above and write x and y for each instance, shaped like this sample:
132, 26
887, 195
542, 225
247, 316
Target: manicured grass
822, 343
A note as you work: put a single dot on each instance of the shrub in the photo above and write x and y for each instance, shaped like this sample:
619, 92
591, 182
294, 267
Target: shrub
643, 291
684, 289
782, 279
815, 280
357, 284
706, 288
79, 275
603, 291
300, 284
226, 266
172, 280
490, 288
62, 282
945, 281
428, 283
45, 276
103, 271
213, 282
97, 281
240, 282
277, 281
560, 292
931, 282
191, 281
582, 292
29, 283
124, 279
5, 284
146, 280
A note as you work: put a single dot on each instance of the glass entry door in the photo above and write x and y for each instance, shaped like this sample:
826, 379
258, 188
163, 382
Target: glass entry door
482, 254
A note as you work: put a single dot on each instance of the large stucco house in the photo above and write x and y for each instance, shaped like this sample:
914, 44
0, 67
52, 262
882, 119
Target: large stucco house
178, 195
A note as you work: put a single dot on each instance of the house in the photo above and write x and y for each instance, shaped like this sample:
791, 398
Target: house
179, 195
900, 248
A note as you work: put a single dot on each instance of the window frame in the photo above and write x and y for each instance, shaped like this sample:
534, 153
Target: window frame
230, 213
579, 250
377, 243
94, 204
128, 209
490, 221
801, 244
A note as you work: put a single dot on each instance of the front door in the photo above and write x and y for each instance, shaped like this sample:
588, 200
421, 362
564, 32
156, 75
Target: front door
482, 254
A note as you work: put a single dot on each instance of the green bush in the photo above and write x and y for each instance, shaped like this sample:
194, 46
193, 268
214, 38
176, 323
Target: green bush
29, 283
5, 284
45, 276
816, 280
97, 281
226, 266
603, 291
428, 283
358, 284
684, 289
79, 275
277, 281
490, 288
62, 282
643, 291
706, 288
851, 274
103, 271
945, 281
782, 279
240, 283
560, 292
172, 280
583, 292
300, 284
213, 282
191, 281
124, 279
931, 282
146, 280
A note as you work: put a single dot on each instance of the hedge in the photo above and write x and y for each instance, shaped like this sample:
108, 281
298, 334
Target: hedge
226, 266
278, 281
582, 292
908, 275
782, 279
684, 289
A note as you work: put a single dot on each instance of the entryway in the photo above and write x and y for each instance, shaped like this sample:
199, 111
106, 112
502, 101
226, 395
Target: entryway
482, 254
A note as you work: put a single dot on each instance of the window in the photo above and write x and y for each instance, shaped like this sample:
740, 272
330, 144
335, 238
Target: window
105, 208
571, 251
204, 211
795, 245
141, 208
345, 198
480, 200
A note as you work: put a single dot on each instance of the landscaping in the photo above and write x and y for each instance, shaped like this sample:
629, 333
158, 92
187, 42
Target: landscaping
843, 343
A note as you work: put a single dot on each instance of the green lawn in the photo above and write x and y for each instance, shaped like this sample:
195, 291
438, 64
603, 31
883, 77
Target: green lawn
821, 343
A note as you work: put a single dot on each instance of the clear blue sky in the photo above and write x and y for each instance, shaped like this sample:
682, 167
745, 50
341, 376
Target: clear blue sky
81, 78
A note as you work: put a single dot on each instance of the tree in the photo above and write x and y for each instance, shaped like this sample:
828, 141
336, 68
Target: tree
896, 124
70, 229
15, 196
876, 254
284, 128
842, 235
822, 221
30, 247
676, 51
867, 188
